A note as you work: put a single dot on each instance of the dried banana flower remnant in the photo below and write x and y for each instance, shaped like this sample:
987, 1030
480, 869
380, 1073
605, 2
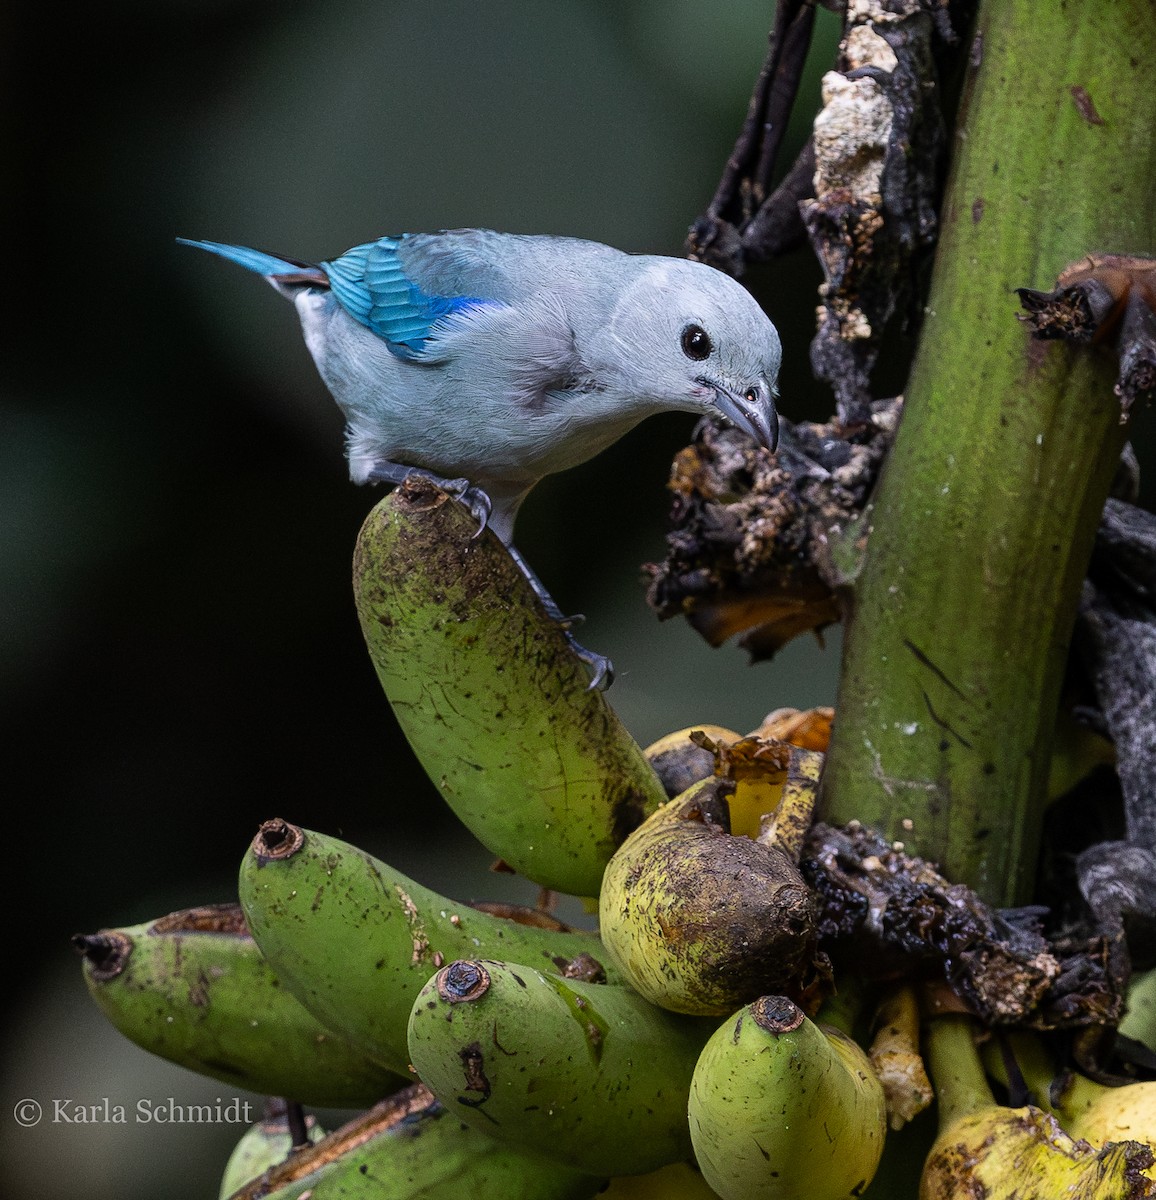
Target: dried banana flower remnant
1102, 298
761, 543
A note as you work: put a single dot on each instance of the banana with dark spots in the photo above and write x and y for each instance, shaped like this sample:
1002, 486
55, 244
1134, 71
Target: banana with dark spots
701, 921
355, 940
194, 987
784, 1109
590, 1074
491, 697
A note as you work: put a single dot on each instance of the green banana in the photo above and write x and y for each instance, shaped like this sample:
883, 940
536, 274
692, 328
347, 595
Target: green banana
263, 1146
410, 1148
194, 988
781, 1108
355, 940
701, 921
491, 697
985, 1149
588, 1073
1139, 1021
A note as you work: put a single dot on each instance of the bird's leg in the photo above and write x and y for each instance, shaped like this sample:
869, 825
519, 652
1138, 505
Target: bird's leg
600, 667
474, 498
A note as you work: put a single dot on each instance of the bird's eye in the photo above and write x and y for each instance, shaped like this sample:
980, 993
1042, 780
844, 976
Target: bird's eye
696, 343
751, 396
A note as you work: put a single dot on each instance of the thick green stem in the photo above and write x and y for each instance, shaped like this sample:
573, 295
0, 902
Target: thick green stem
956, 1070
985, 514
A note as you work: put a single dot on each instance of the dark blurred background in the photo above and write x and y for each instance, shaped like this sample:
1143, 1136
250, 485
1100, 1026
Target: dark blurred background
179, 656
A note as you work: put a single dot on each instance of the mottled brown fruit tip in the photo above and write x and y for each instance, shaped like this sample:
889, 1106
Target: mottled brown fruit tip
277, 839
419, 494
105, 954
462, 981
777, 1014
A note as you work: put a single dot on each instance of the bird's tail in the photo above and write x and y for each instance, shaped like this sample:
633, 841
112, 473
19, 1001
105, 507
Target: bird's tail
284, 270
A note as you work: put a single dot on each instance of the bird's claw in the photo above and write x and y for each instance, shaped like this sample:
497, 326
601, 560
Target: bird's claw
474, 498
600, 667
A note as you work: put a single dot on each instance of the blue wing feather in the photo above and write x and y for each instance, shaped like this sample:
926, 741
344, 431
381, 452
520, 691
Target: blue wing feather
371, 284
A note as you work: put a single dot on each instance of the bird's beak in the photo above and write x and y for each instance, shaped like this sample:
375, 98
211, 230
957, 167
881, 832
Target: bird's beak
756, 417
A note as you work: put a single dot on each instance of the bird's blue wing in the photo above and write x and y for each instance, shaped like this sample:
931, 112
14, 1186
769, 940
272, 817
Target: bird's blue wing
371, 284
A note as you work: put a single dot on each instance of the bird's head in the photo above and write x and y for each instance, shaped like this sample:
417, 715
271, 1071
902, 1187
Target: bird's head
685, 336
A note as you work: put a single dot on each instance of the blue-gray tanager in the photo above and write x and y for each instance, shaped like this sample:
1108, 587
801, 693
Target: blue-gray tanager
488, 360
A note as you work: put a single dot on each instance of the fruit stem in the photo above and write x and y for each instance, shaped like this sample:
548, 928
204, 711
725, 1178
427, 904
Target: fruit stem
983, 520
953, 1060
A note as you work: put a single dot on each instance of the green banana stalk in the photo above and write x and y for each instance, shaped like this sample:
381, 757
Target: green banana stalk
491, 697
354, 940
701, 921
985, 1149
194, 988
410, 1148
263, 1146
784, 1109
590, 1074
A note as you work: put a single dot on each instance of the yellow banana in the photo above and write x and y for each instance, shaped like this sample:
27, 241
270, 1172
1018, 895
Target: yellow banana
985, 1149
1086, 1109
680, 759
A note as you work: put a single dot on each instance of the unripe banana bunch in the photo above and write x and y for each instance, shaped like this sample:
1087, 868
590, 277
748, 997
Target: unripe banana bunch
784, 1109
354, 940
194, 988
553, 1074
700, 920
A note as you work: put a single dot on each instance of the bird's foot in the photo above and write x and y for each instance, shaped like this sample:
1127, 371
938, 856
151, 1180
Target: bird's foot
474, 498
600, 667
